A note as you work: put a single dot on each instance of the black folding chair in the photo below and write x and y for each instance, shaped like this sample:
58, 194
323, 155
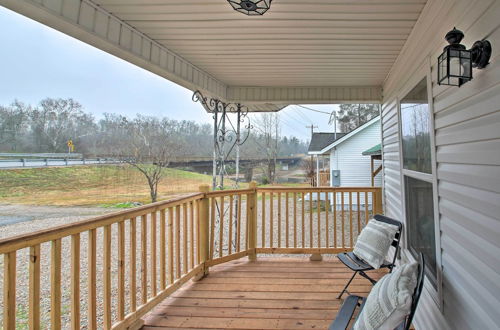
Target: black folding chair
360, 266
352, 302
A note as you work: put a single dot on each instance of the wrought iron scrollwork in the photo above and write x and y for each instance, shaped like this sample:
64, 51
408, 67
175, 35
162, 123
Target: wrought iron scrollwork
227, 138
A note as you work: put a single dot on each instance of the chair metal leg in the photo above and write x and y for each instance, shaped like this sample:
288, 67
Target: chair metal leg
372, 281
347, 285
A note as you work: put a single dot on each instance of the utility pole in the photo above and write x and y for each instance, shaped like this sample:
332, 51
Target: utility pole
312, 127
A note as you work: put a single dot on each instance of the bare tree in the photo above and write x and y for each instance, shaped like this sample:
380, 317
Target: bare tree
269, 129
14, 122
309, 169
148, 147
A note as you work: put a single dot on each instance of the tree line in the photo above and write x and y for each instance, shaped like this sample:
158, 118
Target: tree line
49, 125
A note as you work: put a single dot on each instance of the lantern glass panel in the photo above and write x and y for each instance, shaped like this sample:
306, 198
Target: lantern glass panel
454, 67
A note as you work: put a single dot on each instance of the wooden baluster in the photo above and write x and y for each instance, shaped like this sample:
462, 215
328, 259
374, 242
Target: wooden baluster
366, 207
311, 219
34, 288
144, 256
178, 241
263, 220
132, 275
334, 197
163, 246
198, 236
342, 219
350, 220
271, 220
92, 282
221, 225
75, 281
55, 287
279, 219
294, 219
171, 278
121, 270
359, 214
9, 290
238, 226
106, 276
212, 227
185, 239
303, 220
152, 234
191, 232
327, 208
286, 220
230, 222
318, 210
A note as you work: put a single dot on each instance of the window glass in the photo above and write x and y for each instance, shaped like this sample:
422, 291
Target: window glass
420, 223
416, 143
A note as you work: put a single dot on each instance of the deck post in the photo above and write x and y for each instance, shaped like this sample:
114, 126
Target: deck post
204, 231
252, 221
377, 202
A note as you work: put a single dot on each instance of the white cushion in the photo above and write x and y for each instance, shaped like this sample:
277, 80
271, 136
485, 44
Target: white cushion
374, 242
389, 301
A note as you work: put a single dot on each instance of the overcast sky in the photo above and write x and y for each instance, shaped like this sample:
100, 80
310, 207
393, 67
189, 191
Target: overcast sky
37, 62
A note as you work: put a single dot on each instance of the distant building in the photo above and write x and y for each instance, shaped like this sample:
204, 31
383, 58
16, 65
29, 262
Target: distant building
348, 166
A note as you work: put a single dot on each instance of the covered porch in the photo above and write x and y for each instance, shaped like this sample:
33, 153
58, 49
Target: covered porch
269, 293
299, 52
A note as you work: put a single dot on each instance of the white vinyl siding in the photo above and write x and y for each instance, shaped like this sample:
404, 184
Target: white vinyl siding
467, 137
355, 168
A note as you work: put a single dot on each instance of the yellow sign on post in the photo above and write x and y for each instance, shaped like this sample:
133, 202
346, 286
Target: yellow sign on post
71, 146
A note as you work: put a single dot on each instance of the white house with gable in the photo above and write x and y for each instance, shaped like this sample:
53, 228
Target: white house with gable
348, 166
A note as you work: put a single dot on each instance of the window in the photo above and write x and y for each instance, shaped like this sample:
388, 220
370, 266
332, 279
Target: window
418, 177
415, 120
420, 226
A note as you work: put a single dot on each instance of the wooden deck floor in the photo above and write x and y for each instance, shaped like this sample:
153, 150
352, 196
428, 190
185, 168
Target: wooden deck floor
270, 293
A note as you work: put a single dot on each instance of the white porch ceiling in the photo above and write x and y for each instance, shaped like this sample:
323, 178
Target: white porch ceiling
300, 51
296, 43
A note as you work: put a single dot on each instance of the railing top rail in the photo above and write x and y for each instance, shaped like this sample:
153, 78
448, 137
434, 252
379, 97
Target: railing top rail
230, 192
23, 241
318, 189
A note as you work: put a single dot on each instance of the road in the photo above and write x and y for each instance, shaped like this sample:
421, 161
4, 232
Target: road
35, 163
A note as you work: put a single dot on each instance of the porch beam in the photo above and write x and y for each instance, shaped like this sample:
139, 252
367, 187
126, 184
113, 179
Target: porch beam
305, 95
84, 20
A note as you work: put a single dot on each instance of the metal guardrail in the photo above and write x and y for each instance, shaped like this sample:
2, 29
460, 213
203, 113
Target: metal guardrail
47, 162
41, 155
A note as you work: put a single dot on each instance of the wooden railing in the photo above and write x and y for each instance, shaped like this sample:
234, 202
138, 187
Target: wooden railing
313, 220
132, 260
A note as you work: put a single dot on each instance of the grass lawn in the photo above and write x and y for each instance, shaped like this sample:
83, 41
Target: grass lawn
105, 185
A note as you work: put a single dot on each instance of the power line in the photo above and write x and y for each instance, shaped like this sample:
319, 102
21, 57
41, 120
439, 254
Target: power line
303, 115
315, 110
299, 120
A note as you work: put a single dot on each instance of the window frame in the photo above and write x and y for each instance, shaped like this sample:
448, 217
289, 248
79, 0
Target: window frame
424, 72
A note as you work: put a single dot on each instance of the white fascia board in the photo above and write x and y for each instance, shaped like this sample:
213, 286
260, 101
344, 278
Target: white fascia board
91, 24
352, 133
306, 95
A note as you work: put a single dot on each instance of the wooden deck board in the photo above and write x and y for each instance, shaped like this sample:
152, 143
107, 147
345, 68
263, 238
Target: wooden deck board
270, 293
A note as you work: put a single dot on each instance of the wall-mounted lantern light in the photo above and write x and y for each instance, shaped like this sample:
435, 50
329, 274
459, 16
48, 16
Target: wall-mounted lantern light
251, 7
456, 62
